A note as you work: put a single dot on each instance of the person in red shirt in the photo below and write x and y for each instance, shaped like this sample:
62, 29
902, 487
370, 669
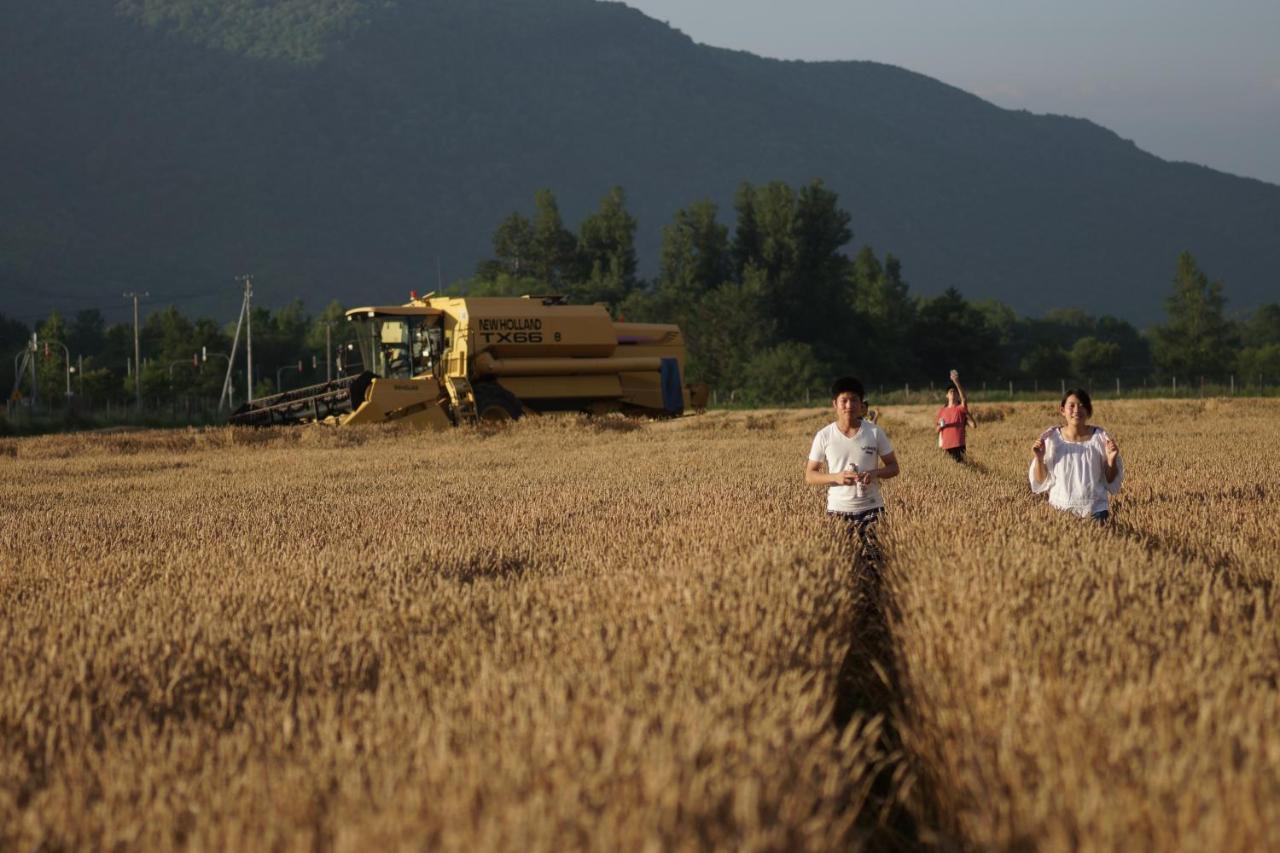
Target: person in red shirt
952, 420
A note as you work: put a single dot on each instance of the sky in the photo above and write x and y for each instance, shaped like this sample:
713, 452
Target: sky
1194, 81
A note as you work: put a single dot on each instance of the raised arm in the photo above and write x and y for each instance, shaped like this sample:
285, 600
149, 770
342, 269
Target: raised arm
1039, 473
1111, 462
955, 380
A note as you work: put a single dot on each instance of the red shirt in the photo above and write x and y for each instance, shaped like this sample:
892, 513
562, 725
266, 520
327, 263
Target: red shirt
953, 424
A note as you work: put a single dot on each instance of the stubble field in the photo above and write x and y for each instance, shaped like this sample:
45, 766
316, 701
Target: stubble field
612, 634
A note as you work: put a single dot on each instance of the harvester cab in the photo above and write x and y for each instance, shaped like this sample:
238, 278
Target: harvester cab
437, 362
398, 343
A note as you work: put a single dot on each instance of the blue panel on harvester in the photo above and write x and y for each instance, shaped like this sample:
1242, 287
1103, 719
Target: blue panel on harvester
672, 392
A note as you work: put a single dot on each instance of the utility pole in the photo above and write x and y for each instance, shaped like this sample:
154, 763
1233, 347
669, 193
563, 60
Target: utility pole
247, 280
36, 384
231, 359
137, 347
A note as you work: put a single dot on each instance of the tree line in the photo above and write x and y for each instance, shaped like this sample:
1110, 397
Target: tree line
182, 359
771, 308
776, 304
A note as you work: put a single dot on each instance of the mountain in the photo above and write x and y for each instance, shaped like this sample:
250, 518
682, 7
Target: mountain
352, 149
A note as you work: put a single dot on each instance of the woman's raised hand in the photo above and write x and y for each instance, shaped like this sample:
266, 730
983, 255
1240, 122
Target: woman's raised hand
1041, 443
1113, 451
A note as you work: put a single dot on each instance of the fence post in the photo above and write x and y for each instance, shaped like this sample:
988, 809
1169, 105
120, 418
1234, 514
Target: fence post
1117, 386
1010, 389
1175, 386
1064, 386
1233, 385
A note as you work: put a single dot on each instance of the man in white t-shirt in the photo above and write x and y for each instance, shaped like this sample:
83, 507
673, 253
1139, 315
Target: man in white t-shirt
851, 450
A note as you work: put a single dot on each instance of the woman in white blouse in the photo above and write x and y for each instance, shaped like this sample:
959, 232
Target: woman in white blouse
1077, 464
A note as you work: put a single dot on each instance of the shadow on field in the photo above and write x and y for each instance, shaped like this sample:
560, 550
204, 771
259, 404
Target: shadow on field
1224, 567
485, 566
899, 812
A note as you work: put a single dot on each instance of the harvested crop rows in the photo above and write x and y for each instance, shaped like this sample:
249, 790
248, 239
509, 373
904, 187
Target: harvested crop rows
576, 633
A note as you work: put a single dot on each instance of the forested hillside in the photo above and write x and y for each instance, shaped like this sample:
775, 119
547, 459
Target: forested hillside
355, 149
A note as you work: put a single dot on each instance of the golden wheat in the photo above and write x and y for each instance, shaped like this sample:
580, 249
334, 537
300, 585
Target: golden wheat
612, 634
1114, 687
570, 633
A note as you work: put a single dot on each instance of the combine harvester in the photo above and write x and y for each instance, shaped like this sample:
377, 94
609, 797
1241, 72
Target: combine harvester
438, 361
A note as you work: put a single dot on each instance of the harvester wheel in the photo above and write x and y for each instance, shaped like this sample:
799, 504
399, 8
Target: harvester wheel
495, 403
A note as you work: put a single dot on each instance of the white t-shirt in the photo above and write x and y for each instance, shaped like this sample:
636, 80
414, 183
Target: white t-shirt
864, 451
1077, 480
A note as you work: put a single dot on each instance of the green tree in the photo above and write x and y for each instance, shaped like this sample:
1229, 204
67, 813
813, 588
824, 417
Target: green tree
280, 341
952, 334
1197, 339
812, 304
1045, 362
87, 334
1134, 356
768, 246
168, 344
795, 240
13, 337
98, 385
208, 338
783, 373
1262, 326
725, 330
748, 242
542, 250
502, 284
1093, 359
607, 252
513, 252
1261, 362
554, 247
51, 358
333, 320
1010, 332
695, 255
117, 354
880, 342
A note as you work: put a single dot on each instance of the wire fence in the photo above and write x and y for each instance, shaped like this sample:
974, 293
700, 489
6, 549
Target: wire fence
56, 413
1009, 390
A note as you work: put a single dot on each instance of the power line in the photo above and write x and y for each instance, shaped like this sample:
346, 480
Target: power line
105, 310
112, 310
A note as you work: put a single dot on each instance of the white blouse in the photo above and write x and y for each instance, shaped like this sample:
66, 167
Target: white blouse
1077, 480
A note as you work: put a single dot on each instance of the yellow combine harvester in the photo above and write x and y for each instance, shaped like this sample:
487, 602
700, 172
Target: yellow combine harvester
438, 361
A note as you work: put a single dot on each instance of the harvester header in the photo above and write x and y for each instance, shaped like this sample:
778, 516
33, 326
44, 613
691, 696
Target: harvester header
438, 361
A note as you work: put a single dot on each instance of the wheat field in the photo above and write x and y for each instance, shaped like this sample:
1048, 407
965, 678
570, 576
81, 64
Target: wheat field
613, 634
